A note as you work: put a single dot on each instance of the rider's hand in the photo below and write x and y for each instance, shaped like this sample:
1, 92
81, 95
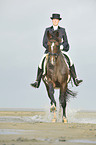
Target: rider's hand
61, 47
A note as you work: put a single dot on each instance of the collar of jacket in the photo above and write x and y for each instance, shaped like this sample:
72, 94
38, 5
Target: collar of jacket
52, 27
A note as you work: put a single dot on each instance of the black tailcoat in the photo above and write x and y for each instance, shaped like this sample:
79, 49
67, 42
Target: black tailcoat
62, 35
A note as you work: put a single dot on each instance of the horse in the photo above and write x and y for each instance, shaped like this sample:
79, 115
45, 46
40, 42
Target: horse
57, 74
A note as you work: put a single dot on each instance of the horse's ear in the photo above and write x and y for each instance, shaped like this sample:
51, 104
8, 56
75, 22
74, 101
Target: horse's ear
49, 35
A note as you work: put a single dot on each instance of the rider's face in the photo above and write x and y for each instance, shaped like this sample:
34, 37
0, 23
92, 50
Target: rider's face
55, 22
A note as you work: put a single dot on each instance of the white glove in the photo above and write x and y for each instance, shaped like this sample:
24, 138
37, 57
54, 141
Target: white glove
61, 47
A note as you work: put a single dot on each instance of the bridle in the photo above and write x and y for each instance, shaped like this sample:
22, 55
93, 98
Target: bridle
52, 53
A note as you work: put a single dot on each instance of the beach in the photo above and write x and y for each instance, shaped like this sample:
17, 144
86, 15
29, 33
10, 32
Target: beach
27, 128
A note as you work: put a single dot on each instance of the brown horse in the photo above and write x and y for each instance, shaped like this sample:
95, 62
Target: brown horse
57, 74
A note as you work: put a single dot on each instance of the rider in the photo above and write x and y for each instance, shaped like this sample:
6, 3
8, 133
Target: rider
64, 46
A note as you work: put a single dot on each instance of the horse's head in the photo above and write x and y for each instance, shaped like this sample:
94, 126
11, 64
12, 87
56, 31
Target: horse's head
53, 46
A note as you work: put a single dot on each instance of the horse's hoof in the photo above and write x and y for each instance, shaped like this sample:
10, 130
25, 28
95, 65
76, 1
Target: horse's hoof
64, 120
54, 120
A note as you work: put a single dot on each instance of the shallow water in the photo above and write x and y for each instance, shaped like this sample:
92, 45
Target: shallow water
73, 117
82, 141
82, 116
10, 131
17, 131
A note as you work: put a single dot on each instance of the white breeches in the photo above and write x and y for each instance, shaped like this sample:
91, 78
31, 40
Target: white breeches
40, 64
66, 53
45, 61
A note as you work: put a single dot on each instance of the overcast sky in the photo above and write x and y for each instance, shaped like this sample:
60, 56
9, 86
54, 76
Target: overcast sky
22, 26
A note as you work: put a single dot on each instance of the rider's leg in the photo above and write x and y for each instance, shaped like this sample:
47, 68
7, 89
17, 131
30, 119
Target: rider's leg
72, 69
36, 84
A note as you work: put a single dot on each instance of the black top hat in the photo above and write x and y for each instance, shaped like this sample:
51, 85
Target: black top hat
56, 16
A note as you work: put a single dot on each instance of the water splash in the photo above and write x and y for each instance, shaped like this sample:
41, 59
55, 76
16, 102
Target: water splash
73, 116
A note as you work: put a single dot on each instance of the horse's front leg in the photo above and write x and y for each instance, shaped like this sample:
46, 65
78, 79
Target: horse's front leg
62, 99
53, 102
50, 90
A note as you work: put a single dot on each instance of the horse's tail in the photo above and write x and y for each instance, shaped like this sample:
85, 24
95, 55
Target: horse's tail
70, 93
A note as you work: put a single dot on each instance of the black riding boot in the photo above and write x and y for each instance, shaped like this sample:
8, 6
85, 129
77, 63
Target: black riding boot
38, 80
74, 76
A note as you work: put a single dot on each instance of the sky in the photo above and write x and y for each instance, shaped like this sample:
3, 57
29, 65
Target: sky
22, 26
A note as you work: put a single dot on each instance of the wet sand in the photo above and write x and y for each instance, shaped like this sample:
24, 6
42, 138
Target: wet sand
44, 133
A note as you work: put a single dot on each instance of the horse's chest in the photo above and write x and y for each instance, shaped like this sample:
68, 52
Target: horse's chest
52, 72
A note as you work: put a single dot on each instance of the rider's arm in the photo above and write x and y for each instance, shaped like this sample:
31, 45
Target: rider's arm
64, 42
45, 40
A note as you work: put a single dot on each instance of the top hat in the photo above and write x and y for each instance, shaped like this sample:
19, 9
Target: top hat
56, 16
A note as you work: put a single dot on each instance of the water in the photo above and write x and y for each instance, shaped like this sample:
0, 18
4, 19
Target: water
18, 131
82, 141
74, 116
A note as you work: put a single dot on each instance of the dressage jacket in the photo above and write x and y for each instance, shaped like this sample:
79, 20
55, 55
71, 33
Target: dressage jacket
62, 35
